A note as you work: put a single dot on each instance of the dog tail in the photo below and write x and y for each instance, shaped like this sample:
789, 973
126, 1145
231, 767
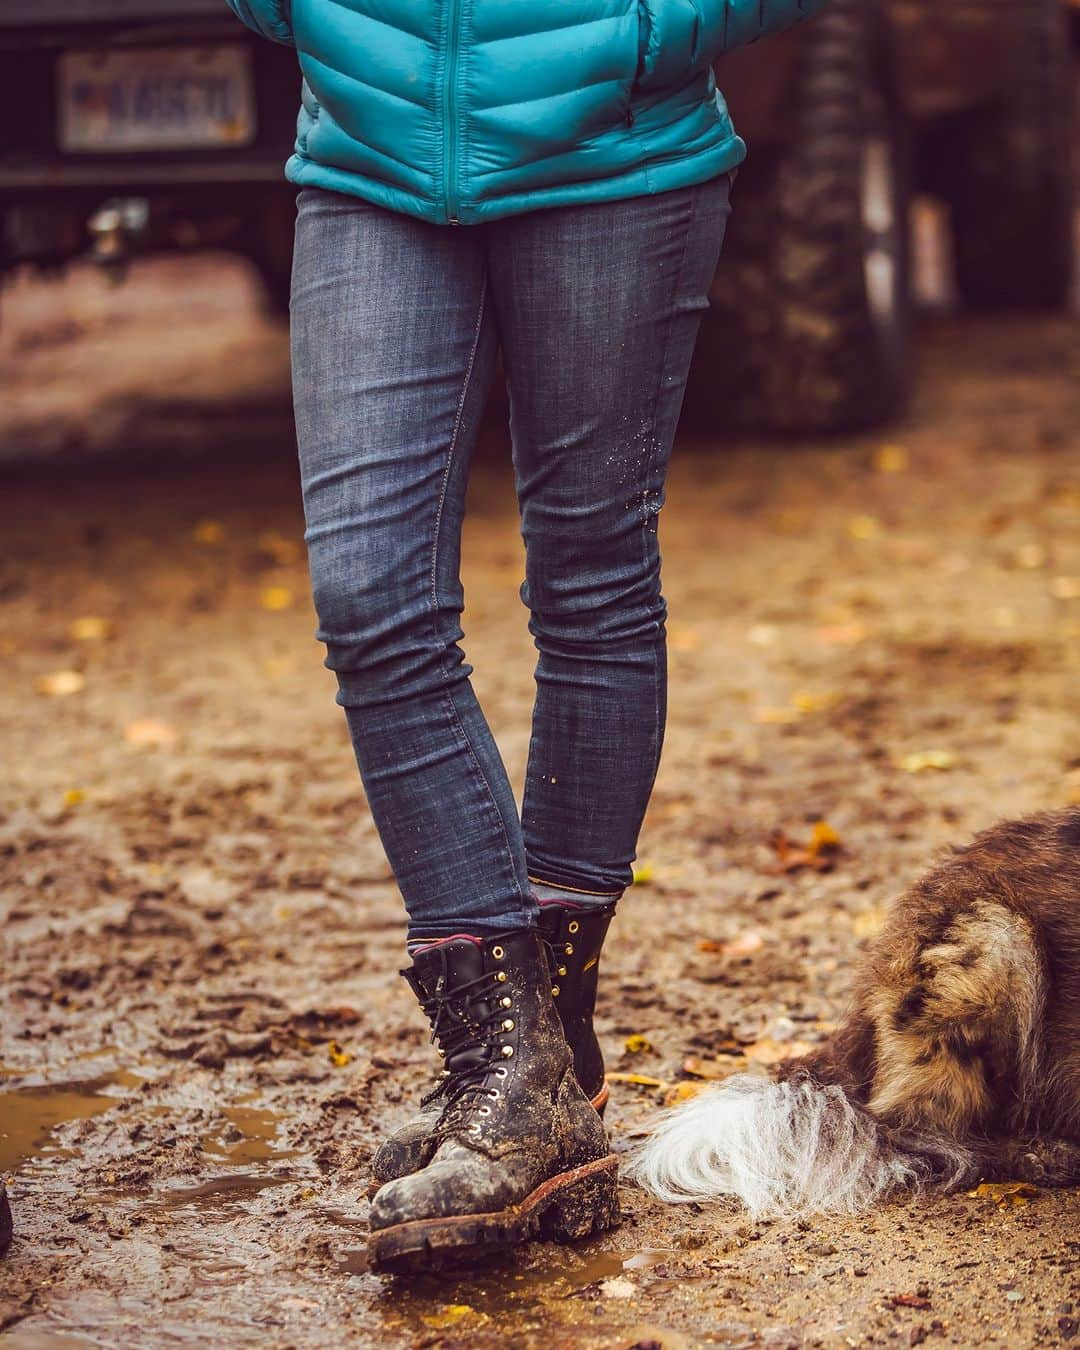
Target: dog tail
783, 1149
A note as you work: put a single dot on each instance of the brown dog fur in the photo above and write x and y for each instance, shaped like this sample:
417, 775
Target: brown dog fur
964, 1039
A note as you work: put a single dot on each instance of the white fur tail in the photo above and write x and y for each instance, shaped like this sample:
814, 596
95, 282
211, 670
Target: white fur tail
782, 1149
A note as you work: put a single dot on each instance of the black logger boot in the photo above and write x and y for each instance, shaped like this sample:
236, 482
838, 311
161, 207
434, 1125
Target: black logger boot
519, 1150
575, 936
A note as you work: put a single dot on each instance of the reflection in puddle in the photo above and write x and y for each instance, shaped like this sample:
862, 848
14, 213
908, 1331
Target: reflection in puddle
28, 1115
219, 1193
250, 1136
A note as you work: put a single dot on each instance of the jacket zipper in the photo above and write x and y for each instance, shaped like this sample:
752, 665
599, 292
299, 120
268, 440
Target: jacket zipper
450, 138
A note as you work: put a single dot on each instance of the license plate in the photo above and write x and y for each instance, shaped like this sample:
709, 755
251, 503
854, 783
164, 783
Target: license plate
174, 98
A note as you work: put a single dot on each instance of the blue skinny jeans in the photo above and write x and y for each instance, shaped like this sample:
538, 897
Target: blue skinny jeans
395, 329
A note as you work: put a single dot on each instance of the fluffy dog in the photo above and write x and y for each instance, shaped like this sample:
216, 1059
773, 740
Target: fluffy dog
959, 1060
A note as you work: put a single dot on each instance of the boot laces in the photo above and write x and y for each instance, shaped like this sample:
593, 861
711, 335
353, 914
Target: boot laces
458, 1023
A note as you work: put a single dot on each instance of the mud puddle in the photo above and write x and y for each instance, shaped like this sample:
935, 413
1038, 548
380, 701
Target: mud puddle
29, 1115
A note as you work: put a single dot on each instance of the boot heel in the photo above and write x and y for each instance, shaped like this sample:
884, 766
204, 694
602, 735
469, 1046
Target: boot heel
587, 1206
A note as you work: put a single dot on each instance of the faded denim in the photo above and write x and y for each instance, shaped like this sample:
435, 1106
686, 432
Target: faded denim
395, 328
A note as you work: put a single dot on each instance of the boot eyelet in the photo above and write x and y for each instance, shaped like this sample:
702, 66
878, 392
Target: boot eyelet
497, 953
554, 991
494, 1094
506, 1002
501, 1071
500, 975
562, 970
573, 926
569, 949
484, 1111
507, 1051
508, 1024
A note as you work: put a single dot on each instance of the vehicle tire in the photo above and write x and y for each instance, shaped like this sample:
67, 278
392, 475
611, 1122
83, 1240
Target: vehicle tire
1009, 183
812, 309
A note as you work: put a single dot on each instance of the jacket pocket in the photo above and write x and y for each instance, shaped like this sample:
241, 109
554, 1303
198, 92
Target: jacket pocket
670, 41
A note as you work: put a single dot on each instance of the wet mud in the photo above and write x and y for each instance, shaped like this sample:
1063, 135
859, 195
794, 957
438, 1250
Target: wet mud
203, 1032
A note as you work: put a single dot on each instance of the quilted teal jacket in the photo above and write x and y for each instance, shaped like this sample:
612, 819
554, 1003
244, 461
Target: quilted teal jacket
460, 111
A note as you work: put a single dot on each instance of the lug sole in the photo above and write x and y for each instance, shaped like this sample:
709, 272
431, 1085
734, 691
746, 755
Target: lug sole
565, 1208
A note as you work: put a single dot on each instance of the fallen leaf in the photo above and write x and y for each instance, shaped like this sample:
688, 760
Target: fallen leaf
713, 1071
777, 716
824, 839
891, 459
74, 797
637, 1080
208, 532
643, 874
1030, 556
149, 731
1005, 1192
338, 1057
864, 527
61, 683
90, 628
909, 1301
637, 1045
920, 761
841, 634
809, 700
763, 634
275, 597
450, 1316
683, 1092
745, 945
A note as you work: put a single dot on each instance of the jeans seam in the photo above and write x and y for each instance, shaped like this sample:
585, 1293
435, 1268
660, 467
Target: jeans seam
651, 460
451, 451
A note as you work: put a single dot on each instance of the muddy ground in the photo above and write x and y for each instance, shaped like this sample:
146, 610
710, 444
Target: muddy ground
203, 1033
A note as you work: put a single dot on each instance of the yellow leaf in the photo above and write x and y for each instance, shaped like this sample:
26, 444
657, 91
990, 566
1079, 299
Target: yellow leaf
1005, 1192
636, 1045
891, 459
450, 1316
74, 797
338, 1057
644, 873
90, 628
149, 731
636, 1079
61, 683
682, 1092
823, 839
922, 760
777, 716
808, 700
208, 532
864, 527
276, 597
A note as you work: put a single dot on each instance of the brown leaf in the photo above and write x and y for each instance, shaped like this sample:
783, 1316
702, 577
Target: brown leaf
1005, 1192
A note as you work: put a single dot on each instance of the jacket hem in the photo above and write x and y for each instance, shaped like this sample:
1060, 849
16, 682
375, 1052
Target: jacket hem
641, 180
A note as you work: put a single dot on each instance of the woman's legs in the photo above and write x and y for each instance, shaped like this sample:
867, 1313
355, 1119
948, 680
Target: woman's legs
393, 345
598, 309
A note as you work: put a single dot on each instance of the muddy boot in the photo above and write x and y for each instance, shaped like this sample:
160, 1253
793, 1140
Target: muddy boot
519, 1151
6, 1226
576, 936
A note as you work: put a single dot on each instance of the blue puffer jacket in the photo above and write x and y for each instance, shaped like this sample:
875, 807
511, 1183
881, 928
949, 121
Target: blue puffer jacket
466, 110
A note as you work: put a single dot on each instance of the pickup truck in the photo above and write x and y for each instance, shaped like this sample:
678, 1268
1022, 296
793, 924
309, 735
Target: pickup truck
143, 124
164, 124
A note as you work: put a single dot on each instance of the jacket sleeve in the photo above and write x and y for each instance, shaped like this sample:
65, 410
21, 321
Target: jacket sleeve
268, 18
682, 34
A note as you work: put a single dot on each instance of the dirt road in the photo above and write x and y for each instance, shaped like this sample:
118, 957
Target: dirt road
203, 1033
